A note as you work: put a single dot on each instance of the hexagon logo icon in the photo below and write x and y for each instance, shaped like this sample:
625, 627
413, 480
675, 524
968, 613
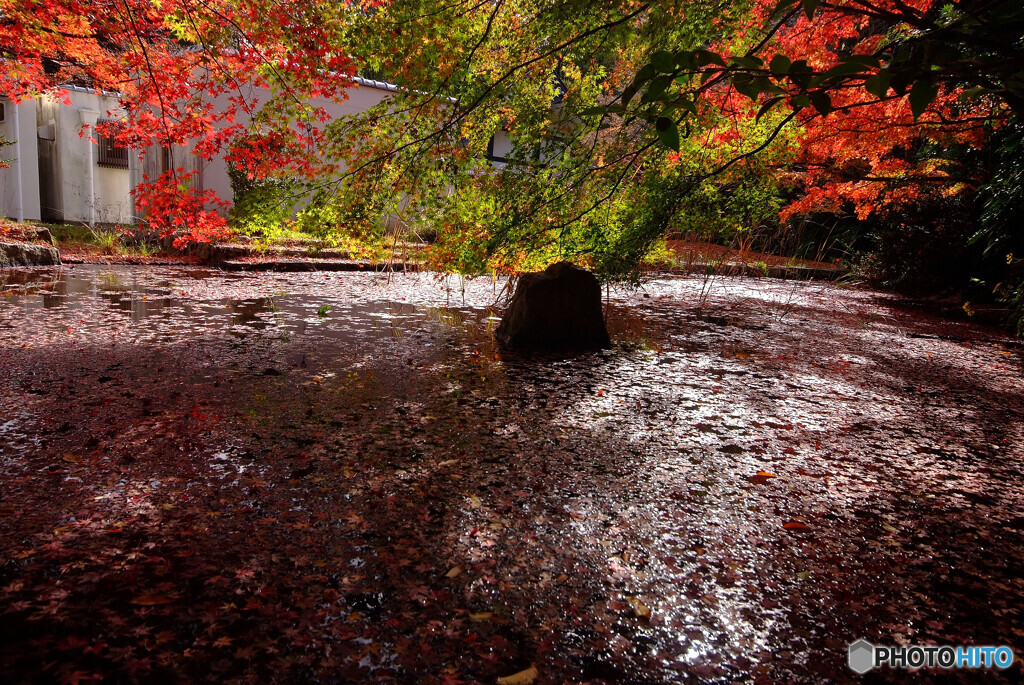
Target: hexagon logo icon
862, 656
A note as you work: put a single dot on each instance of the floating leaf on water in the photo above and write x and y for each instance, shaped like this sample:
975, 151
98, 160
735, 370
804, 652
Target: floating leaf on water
525, 677
639, 608
150, 600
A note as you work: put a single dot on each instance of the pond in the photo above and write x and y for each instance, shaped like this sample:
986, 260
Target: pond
332, 477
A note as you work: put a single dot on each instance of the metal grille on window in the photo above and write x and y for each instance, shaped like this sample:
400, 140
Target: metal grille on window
111, 154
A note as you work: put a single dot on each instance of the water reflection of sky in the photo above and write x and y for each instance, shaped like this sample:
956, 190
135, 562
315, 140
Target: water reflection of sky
166, 304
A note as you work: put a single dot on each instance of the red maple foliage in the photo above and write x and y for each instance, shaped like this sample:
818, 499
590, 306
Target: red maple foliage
189, 74
862, 148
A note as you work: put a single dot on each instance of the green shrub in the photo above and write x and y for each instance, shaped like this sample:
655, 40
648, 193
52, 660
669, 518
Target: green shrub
1002, 206
261, 205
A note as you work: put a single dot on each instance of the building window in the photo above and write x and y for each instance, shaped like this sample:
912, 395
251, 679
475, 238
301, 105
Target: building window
165, 159
111, 154
491, 157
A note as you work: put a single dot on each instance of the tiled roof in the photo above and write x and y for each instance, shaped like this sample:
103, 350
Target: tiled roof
94, 91
370, 83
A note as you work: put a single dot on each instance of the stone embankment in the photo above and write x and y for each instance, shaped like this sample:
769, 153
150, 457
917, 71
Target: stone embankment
23, 254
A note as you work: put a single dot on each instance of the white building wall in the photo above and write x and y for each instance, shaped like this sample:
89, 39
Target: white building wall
363, 95
501, 145
19, 184
58, 164
81, 184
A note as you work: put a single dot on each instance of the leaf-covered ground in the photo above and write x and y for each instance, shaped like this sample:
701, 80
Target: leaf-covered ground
203, 479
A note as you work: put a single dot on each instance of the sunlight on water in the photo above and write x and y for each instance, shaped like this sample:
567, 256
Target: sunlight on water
694, 501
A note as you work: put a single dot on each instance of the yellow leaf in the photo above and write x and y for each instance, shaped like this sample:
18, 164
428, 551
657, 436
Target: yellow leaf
522, 678
639, 608
474, 502
482, 616
454, 571
71, 458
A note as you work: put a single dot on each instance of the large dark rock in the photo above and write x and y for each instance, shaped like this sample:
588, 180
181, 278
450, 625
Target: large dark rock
559, 307
20, 254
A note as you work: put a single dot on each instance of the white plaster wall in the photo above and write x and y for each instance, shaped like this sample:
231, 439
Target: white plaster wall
502, 144
24, 165
360, 98
76, 156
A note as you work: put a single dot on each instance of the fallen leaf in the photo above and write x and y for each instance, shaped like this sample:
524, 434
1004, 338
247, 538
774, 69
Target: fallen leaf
762, 477
71, 642
71, 458
454, 571
522, 678
475, 502
639, 608
796, 525
481, 616
149, 600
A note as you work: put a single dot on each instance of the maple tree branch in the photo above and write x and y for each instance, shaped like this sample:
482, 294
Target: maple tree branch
152, 77
760, 148
462, 112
